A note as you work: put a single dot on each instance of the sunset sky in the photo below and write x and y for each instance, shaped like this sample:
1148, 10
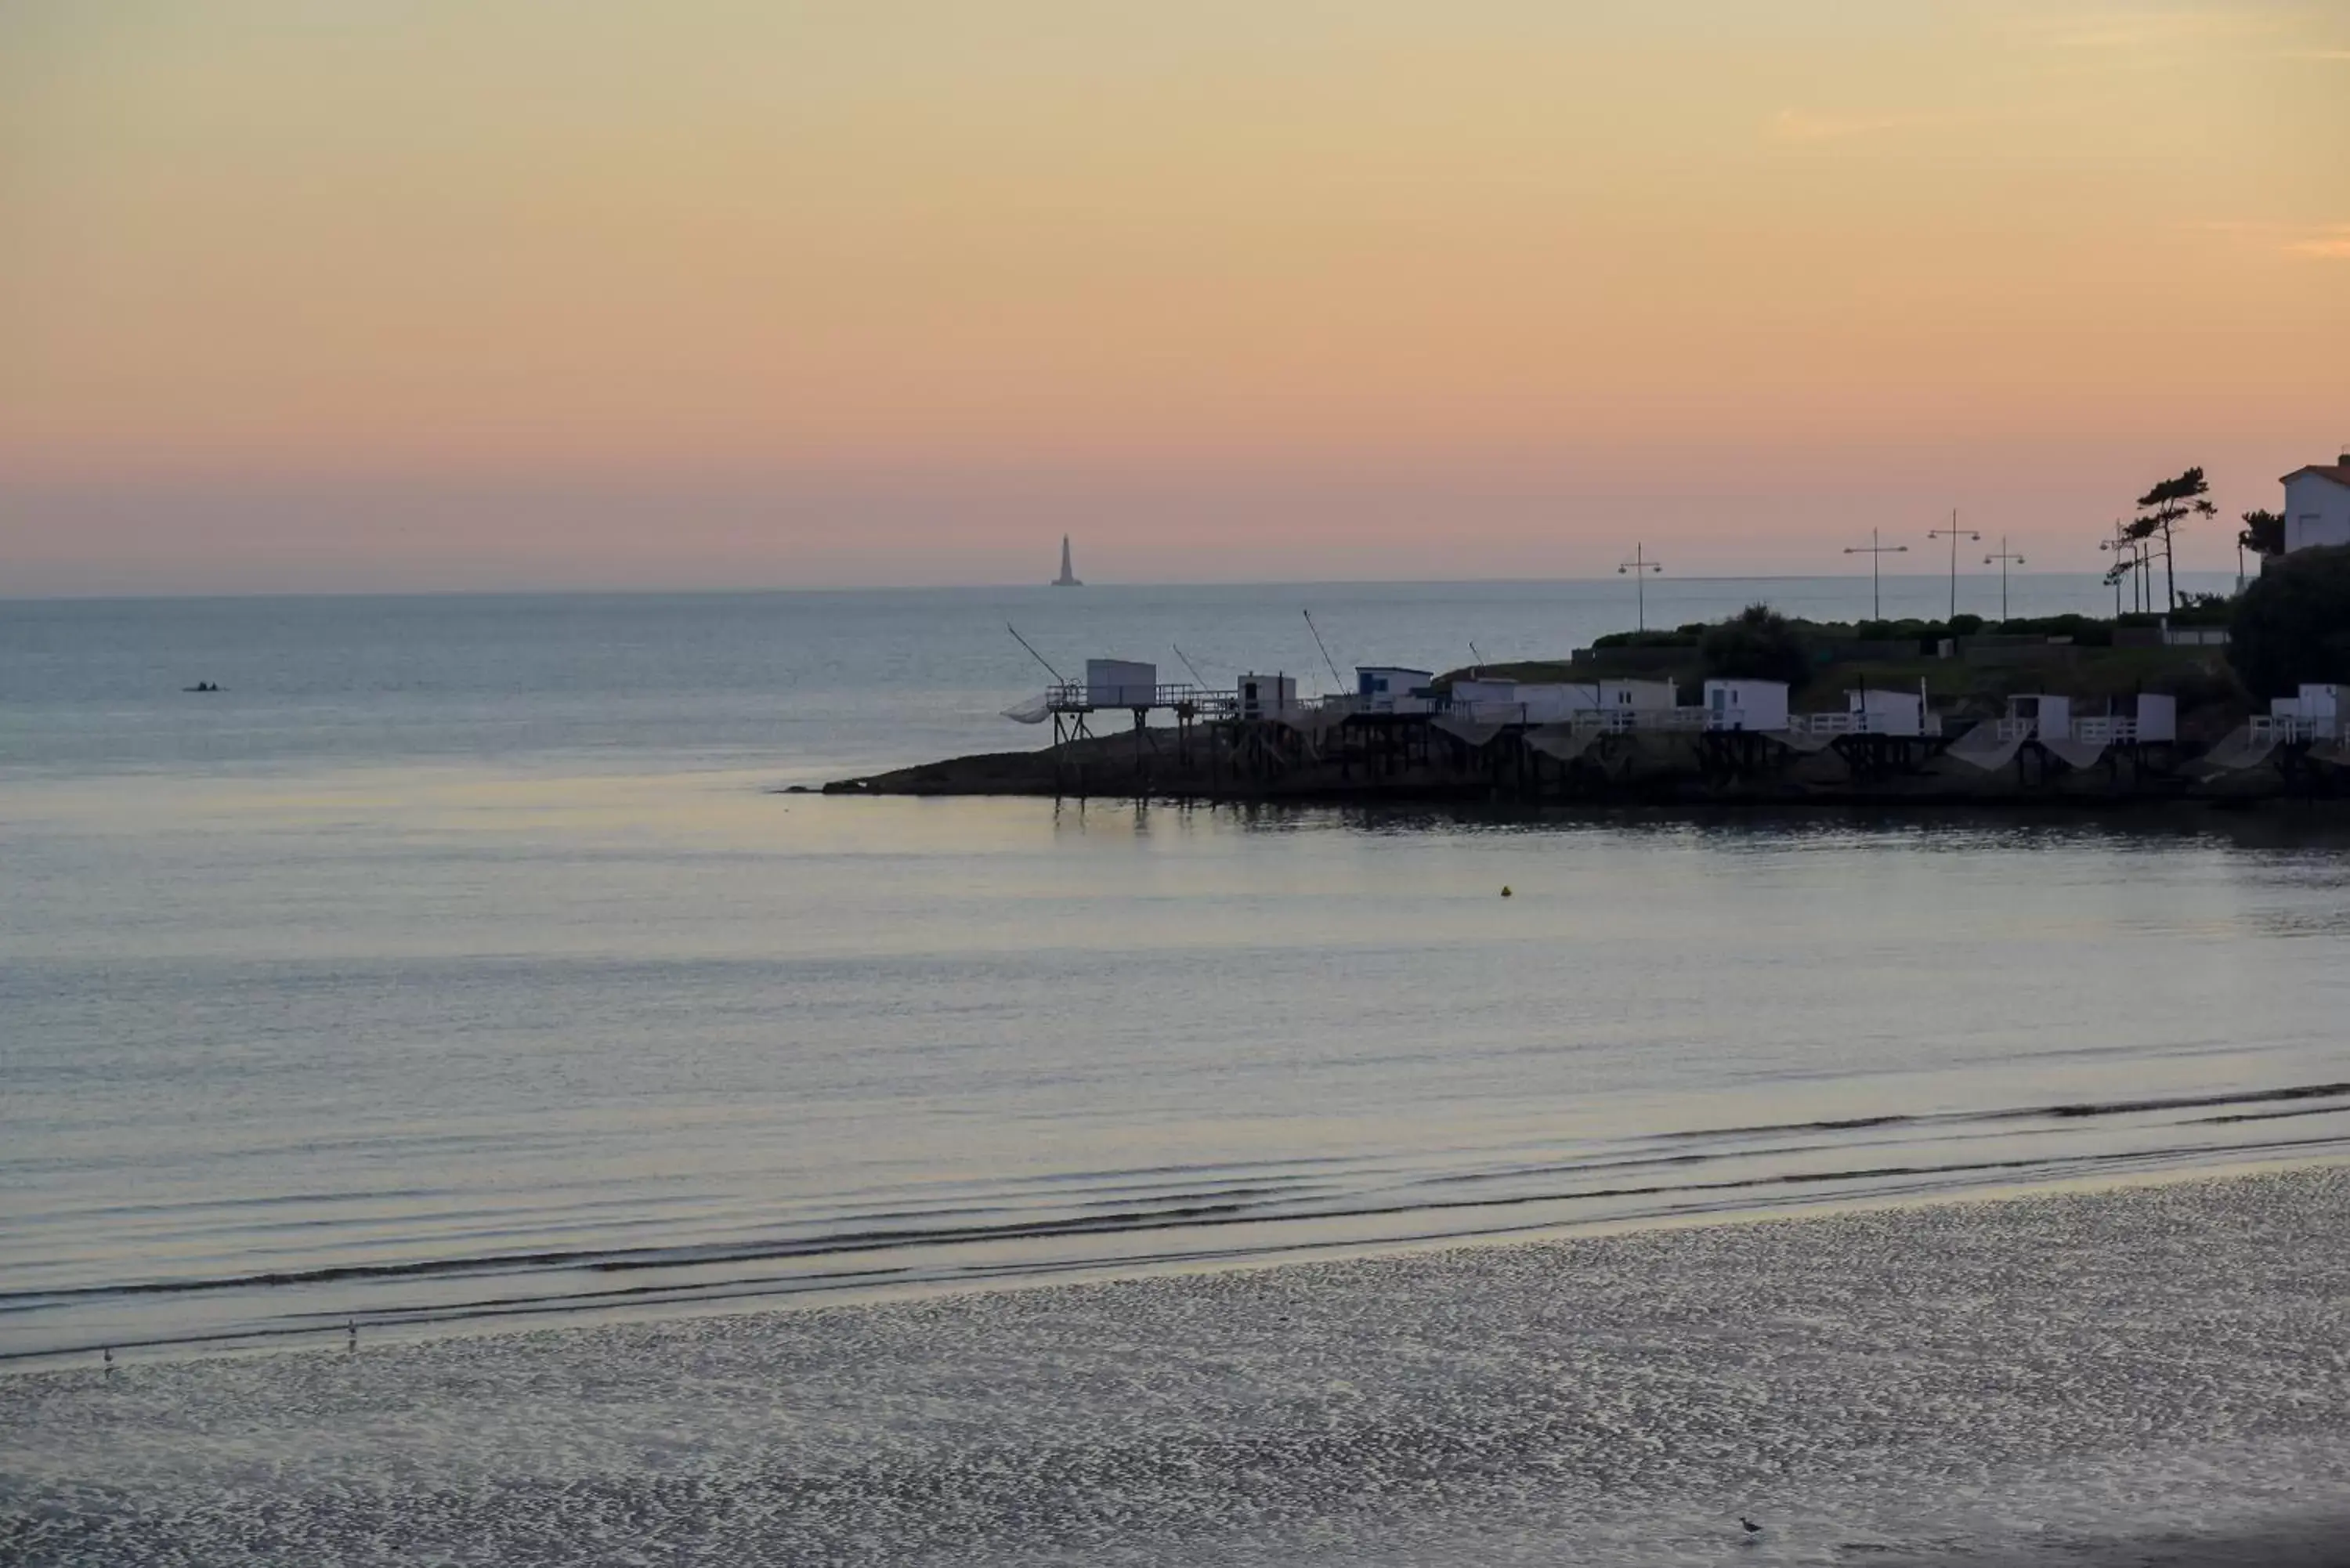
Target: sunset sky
394, 293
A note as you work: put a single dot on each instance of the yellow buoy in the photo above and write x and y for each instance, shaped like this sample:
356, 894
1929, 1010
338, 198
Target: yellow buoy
1505, 890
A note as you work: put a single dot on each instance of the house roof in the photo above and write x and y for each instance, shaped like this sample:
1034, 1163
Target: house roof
2339, 472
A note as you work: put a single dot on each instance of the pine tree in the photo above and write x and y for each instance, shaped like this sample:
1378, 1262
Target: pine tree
2162, 509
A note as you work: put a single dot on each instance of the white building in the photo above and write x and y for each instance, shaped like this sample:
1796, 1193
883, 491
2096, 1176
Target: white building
1487, 701
1746, 704
2321, 702
1510, 701
1617, 704
2037, 713
1392, 689
1625, 704
2315, 713
1640, 696
2044, 716
2148, 716
1881, 710
1121, 683
1266, 696
2317, 505
1555, 701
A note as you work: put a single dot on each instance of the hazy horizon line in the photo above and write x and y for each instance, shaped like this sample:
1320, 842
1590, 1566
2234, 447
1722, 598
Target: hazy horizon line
718, 591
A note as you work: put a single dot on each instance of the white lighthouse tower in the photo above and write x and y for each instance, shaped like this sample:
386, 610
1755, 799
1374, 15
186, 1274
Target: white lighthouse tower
1068, 578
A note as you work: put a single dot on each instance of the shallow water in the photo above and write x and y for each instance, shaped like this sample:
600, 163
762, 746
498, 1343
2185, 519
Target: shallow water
456, 965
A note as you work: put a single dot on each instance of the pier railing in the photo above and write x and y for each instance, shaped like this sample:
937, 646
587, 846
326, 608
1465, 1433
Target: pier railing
1186, 700
2089, 729
2271, 728
1623, 720
2105, 729
1193, 702
1851, 723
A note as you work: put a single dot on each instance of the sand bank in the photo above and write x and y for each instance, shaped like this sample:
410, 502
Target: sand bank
2155, 1375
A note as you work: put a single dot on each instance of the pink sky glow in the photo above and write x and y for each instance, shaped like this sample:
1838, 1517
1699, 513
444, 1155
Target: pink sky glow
426, 295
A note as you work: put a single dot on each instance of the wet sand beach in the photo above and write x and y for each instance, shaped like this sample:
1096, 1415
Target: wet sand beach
2157, 1373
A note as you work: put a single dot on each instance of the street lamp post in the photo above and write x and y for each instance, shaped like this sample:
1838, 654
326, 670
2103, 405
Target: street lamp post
1638, 568
1954, 533
1876, 550
2003, 557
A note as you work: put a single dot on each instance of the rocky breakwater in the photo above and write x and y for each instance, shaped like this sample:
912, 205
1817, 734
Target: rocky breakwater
1426, 760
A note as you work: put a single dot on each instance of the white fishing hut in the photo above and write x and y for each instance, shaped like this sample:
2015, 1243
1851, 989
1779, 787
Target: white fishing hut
1739, 705
1266, 696
1488, 701
1615, 705
2315, 714
2047, 717
1639, 696
2145, 716
1521, 701
1621, 705
1883, 710
1470, 692
1553, 701
1121, 683
2037, 713
1392, 689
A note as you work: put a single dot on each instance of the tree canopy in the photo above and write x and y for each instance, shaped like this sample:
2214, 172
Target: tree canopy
2263, 533
2293, 625
2160, 510
1756, 644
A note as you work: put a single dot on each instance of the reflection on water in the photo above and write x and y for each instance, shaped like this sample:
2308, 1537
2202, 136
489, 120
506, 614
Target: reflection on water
432, 1045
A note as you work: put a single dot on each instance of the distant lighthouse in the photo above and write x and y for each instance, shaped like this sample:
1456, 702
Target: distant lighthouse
1068, 578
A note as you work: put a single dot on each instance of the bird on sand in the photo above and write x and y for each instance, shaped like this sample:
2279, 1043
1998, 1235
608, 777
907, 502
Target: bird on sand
1752, 1527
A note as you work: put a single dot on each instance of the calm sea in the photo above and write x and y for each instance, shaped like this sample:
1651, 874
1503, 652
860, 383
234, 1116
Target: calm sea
457, 962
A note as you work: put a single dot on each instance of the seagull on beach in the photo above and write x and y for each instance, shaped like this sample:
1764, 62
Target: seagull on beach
107, 1352
352, 1328
1752, 1527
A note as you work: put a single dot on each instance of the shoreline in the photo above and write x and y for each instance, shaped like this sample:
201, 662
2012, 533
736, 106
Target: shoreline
1089, 1275
2221, 806
245, 1344
1423, 765
2078, 1376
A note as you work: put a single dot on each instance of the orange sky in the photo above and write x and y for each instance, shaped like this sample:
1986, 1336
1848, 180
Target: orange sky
402, 292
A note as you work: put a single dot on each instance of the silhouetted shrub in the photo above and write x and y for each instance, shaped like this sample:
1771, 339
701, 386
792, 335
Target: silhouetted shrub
1756, 644
2293, 624
2084, 631
2204, 610
1924, 633
1645, 640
